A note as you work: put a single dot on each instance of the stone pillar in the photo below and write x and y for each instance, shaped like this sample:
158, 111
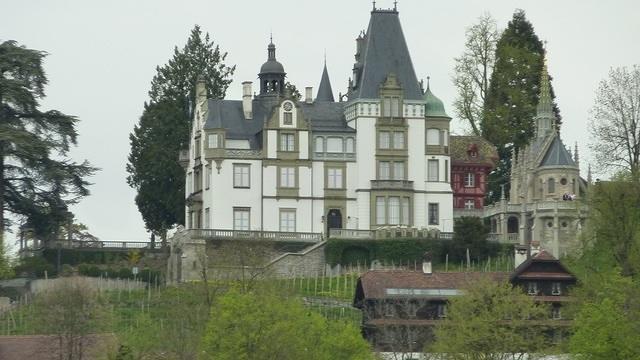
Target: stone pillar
556, 232
523, 224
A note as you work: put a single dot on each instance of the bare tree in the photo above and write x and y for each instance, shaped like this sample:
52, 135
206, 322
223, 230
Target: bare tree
73, 312
473, 70
615, 118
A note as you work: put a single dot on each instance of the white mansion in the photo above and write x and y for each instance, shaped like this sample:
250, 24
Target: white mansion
272, 163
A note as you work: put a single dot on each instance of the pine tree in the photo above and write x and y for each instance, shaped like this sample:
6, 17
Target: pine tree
37, 179
510, 105
164, 126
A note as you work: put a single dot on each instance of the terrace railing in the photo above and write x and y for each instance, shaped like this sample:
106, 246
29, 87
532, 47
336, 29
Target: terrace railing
217, 234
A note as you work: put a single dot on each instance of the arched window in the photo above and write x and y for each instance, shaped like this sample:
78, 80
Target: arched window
551, 185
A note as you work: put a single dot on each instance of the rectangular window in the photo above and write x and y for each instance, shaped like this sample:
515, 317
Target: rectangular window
398, 170
197, 143
207, 219
207, 177
197, 180
442, 310
386, 106
241, 175
555, 313
334, 145
334, 178
469, 204
446, 170
241, 218
556, 289
405, 211
432, 170
381, 214
532, 288
287, 142
287, 177
384, 140
433, 214
469, 180
394, 210
319, 144
288, 118
351, 148
398, 140
433, 137
383, 170
213, 141
287, 220
395, 107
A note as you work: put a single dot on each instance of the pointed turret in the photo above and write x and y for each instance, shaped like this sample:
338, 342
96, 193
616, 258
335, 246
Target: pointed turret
589, 176
325, 93
545, 118
576, 157
271, 73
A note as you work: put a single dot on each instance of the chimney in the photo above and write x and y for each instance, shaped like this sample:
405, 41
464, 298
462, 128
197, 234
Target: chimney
426, 263
520, 254
308, 94
247, 100
201, 90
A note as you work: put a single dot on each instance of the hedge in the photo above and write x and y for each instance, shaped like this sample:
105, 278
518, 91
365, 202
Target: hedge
400, 250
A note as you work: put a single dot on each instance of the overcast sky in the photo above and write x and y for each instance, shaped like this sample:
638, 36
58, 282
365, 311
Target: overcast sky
103, 55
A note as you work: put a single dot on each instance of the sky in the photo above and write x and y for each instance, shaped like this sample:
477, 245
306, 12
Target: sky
103, 55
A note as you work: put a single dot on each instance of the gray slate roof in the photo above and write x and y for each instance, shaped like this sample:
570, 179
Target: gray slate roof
326, 116
325, 93
557, 154
228, 114
385, 51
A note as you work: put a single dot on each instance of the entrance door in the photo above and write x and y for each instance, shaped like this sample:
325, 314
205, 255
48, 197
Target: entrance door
334, 220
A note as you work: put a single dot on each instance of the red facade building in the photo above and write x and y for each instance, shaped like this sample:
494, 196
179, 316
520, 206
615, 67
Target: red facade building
472, 159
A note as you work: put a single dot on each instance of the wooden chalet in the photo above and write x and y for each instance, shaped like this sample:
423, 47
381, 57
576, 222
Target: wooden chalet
400, 307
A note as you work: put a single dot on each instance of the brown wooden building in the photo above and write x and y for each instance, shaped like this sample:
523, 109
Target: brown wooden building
400, 308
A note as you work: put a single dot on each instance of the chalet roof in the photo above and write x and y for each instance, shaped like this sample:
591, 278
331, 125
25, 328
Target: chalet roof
460, 147
522, 271
385, 51
375, 283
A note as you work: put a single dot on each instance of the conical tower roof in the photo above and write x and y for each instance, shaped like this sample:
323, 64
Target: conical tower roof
385, 51
325, 93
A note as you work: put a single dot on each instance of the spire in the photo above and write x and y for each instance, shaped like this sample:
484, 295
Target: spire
271, 49
589, 178
576, 157
325, 93
545, 118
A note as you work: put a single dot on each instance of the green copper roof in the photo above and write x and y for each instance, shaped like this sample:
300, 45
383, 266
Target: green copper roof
434, 106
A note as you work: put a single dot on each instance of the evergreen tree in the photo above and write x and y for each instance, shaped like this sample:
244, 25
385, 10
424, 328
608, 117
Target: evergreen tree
510, 103
37, 179
164, 129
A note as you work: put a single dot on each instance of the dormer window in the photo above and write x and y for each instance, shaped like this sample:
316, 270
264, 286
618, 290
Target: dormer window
287, 118
472, 151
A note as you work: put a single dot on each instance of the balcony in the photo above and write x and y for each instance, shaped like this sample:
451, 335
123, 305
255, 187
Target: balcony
389, 232
458, 212
391, 185
278, 236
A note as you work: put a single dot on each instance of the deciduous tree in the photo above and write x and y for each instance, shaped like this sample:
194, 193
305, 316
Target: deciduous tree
473, 70
264, 325
491, 321
38, 180
615, 121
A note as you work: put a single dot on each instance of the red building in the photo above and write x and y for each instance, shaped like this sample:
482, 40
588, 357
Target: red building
472, 159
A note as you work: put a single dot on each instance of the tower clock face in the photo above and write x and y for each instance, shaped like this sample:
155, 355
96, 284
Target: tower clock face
288, 106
